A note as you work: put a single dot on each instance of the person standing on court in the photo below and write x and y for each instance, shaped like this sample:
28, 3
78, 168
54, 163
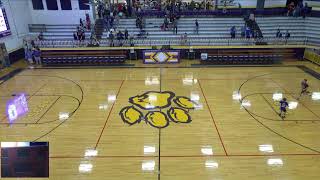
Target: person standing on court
197, 26
304, 88
283, 108
37, 55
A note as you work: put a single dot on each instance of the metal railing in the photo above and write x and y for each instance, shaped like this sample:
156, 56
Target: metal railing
173, 42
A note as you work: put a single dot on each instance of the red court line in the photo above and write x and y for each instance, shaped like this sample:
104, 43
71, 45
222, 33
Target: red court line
188, 156
215, 125
286, 91
104, 126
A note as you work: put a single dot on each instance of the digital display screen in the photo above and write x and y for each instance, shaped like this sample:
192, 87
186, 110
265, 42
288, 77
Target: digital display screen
4, 24
16, 107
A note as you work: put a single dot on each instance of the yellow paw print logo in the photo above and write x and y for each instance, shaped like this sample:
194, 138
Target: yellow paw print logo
158, 109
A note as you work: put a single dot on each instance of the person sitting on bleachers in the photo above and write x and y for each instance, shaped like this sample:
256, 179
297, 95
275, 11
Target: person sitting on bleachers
75, 37
40, 36
248, 32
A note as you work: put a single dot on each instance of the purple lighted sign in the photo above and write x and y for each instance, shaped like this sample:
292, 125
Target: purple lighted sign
17, 107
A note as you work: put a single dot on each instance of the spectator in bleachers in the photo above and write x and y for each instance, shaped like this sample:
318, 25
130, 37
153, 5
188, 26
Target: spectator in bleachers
197, 26
111, 37
81, 23
305, 10
75, 37
291, 7
243, 31
126, 34
278, 34
40, 36
287, 36
248, 32
117, 19
233, 32
88, 22
166, 23
131, 38
175, 26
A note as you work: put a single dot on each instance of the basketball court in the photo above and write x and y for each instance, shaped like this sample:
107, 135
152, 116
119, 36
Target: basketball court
216, 122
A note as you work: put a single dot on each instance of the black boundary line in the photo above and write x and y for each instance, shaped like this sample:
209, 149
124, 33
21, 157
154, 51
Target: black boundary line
10, 75
277, 120
285, 90
159, 143
309, 71
267, 127
270, 105
48, 109
46, 122
80, 102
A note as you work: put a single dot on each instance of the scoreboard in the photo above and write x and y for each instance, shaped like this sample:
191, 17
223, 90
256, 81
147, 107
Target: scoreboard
4, 24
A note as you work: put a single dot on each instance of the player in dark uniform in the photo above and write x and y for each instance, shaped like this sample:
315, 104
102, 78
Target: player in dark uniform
283, 107
304, 88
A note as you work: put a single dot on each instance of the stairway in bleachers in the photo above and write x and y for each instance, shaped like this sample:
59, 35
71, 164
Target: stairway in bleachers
99, 28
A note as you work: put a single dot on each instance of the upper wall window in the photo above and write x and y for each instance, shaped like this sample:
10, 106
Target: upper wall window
52, 4
84, 5
66, 4
37, 4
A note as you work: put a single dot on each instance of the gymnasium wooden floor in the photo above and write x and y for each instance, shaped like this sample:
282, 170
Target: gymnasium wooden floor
220, 139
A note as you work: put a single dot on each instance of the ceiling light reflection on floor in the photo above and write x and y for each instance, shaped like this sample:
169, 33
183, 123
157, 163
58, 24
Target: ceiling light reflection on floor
149, 150
63, 116
210, 164
207, 150
103, 106
90, 153
236, 95
85, 167
275, 162
293, 105
315, 96
148, 165
266, 148
112, 98
277, 96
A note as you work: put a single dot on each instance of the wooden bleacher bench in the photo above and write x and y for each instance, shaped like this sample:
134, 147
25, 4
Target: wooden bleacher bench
247, 56
83, 57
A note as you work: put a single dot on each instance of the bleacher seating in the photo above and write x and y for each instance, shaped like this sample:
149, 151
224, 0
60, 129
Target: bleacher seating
212, 31
248, 56
82, 57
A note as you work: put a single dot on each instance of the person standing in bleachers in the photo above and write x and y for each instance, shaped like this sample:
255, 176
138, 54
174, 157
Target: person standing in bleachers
233, 32
197, 26
126, 34
278, 34
88, 22
287, 36
175, 26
